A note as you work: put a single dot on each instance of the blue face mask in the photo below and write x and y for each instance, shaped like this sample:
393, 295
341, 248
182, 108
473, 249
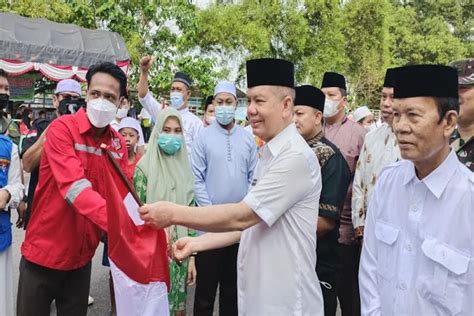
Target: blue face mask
176, 99
225, 114
170, 143
241, 113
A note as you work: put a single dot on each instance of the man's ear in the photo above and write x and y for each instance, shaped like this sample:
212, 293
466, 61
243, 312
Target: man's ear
450, 120
288, 105
319, 117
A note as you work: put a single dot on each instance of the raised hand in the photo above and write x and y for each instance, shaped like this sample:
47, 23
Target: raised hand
146, 62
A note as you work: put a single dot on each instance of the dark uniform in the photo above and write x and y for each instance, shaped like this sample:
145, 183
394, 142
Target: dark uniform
336, 177
10, 128
37, 129
464, 150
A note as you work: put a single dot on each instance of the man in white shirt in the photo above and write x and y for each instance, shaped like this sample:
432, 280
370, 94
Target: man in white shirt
380, 150
223, 153
276, 221
179, 97
418, 251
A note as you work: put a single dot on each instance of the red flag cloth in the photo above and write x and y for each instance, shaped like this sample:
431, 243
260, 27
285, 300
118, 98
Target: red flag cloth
138, 250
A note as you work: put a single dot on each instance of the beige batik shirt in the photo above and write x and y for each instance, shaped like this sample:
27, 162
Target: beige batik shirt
380, 150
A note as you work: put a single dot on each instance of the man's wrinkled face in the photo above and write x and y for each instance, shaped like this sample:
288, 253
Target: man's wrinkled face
268, 110
420, 133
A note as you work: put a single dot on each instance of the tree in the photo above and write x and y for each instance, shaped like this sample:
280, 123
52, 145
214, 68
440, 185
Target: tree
422, 35
368, 44
325, 49
148, 27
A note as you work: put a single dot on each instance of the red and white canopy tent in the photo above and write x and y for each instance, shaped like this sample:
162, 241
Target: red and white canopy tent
58, 51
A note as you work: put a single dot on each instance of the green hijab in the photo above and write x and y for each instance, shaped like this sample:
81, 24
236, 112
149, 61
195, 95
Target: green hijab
169, 177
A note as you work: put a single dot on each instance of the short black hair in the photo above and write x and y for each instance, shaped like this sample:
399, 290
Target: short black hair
3, 73
445, 105
208, 102
111, 69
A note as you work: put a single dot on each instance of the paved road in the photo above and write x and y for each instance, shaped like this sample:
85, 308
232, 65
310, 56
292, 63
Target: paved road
99, 279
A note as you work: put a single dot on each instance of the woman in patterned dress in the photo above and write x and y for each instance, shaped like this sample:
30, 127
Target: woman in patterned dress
164, 174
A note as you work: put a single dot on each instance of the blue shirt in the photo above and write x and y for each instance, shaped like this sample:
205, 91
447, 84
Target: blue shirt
223, 163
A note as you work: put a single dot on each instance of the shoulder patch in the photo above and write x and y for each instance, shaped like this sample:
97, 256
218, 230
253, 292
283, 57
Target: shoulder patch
116, 143
323, 152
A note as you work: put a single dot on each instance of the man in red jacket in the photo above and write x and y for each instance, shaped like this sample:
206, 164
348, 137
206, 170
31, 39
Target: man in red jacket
70, 200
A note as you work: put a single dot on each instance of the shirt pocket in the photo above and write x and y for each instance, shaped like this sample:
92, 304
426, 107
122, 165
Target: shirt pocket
449, 276
387, 236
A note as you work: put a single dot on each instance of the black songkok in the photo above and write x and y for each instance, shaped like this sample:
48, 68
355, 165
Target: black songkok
310, 96
333, 79
270, 72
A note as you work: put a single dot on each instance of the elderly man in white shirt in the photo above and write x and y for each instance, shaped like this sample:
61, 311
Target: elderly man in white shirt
380, 150
179, 97
418, 252
277, 220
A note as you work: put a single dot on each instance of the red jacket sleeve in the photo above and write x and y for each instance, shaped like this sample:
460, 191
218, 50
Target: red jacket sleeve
68, 172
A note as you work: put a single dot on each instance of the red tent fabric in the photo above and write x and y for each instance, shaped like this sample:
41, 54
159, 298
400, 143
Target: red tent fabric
53, 72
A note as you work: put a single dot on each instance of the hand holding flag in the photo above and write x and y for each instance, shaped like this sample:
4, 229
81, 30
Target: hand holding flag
159, 214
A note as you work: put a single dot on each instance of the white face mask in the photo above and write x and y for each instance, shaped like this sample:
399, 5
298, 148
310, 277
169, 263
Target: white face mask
121, 113
330, 108
371, 127
101, 112
176, 99
211, 120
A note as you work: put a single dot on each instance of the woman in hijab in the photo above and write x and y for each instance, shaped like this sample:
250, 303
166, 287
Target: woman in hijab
164, 174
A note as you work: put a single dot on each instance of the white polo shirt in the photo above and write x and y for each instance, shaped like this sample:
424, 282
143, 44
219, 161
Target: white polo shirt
192, 124
418, 253
277, 257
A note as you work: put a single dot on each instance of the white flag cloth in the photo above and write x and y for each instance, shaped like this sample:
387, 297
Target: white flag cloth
6, 282
136, 299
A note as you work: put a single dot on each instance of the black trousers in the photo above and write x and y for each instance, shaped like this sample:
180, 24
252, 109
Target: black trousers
38, 286
216, 267
329, 290
348, 281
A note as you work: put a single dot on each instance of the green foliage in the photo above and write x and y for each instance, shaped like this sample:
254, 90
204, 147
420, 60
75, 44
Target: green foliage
359, 38
148, 27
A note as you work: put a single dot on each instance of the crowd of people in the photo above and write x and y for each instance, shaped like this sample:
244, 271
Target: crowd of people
304, 211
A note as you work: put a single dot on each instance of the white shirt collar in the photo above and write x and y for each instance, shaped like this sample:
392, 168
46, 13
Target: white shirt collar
437, 180
184, 111
224, 131
277, 143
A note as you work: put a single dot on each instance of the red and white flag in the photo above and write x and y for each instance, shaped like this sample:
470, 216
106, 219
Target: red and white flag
137, 252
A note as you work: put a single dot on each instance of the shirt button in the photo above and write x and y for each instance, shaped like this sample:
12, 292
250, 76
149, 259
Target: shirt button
403, 286
409, 248
414, 209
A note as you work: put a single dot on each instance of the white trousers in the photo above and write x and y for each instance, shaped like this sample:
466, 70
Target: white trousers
6, 282
136, 299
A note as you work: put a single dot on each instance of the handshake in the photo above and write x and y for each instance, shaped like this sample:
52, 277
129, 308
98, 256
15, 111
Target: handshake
161, 215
